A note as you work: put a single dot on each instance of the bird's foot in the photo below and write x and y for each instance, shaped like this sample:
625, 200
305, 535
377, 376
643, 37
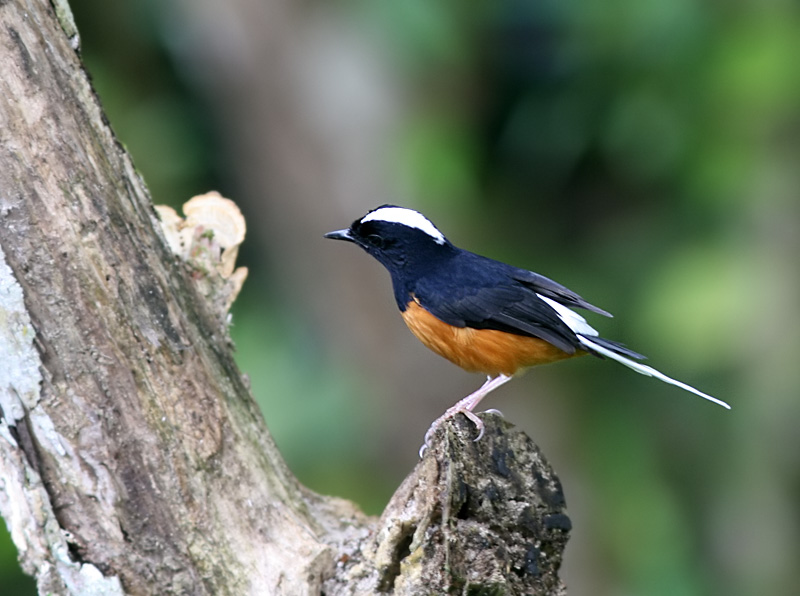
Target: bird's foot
465, 406
445, 417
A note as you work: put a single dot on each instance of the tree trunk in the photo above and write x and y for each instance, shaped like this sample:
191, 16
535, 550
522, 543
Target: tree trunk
133, 458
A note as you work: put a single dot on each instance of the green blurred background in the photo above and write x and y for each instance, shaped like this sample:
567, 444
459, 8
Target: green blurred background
645, 153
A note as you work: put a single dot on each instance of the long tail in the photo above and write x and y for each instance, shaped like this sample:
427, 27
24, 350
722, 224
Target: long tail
618, 352
649, 371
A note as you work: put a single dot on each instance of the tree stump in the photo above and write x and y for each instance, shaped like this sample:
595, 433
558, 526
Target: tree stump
474, 517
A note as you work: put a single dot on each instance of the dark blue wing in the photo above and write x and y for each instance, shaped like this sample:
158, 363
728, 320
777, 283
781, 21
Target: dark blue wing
474, 291
555, 291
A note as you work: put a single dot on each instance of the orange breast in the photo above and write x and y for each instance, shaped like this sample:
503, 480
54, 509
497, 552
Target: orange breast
480, 350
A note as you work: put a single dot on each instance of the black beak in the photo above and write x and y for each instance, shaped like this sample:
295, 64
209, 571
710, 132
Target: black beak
340, 235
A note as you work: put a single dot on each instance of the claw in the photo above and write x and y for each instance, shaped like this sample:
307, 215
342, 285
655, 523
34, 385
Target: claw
465, 406
422, 450
493, 411
471, 416
476, 421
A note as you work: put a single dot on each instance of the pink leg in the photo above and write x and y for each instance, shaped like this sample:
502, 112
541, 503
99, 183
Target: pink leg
466, 407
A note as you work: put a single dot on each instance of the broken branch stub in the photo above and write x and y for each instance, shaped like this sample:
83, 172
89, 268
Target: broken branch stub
473, 517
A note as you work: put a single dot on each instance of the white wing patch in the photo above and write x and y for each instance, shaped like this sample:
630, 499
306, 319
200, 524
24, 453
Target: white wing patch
582, 329
572, 319
406, 217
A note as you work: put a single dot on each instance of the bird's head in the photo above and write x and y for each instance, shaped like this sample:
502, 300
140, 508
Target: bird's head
397, 237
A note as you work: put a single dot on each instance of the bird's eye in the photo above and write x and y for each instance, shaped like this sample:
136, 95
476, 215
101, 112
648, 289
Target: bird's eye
376, 241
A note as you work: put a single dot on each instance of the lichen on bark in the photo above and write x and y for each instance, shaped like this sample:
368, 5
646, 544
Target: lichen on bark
474, 517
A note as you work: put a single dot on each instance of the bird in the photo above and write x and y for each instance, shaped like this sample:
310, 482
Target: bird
481, 314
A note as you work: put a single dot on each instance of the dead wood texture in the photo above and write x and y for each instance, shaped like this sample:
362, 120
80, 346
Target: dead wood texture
485, 517
133, 459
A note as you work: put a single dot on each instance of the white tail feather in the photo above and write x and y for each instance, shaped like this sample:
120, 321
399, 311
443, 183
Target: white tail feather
572, 319
648, 371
